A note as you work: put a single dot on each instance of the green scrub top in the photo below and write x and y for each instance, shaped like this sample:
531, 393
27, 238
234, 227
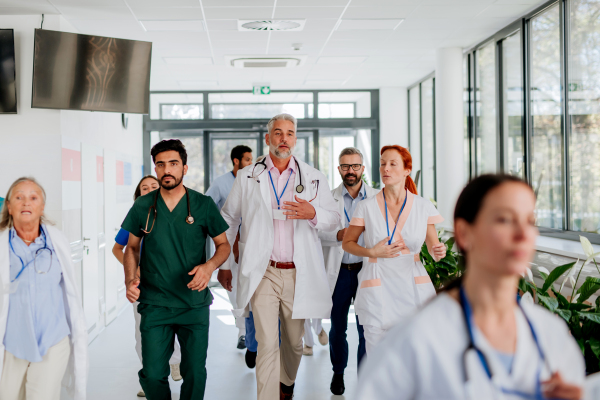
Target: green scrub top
173, 247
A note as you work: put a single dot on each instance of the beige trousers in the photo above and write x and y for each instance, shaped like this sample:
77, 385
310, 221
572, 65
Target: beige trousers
24, 380
272, 301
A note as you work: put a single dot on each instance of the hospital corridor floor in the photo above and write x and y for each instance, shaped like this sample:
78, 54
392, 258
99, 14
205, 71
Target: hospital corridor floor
114, 363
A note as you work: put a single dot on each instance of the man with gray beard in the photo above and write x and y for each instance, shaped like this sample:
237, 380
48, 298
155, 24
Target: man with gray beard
283, 203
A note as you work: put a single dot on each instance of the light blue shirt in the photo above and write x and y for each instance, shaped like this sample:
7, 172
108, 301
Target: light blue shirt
349, 207
220, 188
36, 314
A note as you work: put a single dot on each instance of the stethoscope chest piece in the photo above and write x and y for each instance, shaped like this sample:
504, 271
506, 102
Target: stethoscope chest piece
189, 219
300, 188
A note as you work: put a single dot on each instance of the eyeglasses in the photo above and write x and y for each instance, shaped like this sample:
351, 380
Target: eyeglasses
346, 167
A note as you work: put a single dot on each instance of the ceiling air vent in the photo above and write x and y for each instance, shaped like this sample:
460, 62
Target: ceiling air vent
265, 62
271, 25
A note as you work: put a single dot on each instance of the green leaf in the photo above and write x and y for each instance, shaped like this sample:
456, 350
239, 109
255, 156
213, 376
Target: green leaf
555, 274
450, 243
581, 344
562, 300
595, 346
594, 317
543, 275
589, 287
578, 307
565, 314
549, 302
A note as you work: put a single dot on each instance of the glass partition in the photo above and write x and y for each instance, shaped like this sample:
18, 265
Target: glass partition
415, 133
176, 106
512, 96
584, 109
250, 106
221, 145
333, 141
485, 109
546, 143
344, 105
428, 139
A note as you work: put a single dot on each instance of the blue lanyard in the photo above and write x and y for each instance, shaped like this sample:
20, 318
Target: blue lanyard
466, 307
386, 215
275, 191
347, 217
23, 265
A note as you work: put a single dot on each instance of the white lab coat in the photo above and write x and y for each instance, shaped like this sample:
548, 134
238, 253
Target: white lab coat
251, 201
332, 249
392, 289
75, 379
423, 358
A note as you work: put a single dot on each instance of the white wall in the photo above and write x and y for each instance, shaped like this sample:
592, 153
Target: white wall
393, 116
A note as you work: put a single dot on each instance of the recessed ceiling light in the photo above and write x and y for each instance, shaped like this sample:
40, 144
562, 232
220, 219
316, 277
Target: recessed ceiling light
369, 24
188, 60
341, 60
184, 25
271, 25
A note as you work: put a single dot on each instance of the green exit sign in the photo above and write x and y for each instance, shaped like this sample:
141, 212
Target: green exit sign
261, 90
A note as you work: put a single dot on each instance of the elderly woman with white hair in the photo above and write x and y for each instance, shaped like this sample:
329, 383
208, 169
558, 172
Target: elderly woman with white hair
41, 319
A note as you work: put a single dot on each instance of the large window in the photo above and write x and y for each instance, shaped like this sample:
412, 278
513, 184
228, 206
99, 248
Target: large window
584, 110
485, 108
541, 121
421, 139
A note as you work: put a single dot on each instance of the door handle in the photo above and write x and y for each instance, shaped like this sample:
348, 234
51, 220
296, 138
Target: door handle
84, 239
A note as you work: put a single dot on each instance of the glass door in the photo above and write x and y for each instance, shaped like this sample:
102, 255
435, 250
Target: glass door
221, 144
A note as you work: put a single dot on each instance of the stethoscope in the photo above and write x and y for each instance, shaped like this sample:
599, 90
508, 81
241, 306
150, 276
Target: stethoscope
189, 219
263, 163
13, 282
467, 313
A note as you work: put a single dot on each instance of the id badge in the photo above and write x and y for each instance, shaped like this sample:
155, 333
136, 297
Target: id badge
278, 214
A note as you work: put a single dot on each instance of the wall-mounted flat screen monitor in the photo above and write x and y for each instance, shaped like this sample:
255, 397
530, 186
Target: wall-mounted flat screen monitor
8, 87
94, 73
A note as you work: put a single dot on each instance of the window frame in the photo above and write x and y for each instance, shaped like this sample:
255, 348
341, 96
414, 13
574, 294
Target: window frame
523, 25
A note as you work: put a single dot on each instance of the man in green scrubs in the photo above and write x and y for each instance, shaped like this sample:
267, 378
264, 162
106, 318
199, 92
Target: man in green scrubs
174, 222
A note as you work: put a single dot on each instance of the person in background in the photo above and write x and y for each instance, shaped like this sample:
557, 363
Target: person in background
281, 271
395, 224
1, 202
475, 341
343, 268
172, 287
44, 336
147, 184
241, 157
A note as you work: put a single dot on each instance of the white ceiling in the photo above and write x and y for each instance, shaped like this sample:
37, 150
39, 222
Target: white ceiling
337, 59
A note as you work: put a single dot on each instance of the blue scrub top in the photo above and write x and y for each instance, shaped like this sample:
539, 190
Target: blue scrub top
220, 188
1, 202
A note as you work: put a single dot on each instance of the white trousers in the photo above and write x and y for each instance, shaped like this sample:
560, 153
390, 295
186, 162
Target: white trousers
175, 358
309, 326
373, 336
240, 322
24, 380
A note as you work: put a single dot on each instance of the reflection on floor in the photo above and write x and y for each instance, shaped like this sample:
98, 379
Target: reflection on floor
114, 364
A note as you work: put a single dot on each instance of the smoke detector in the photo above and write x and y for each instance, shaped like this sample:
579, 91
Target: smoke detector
271, 25
282, 61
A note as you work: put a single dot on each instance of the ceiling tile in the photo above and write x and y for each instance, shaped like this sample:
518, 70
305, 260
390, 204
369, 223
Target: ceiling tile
506, 11
109, 13
238, 12
311, 3
237, 3
28, 10
84, 3
308, 12
448, 12
379, 11
401, 34
222, 24
530, 2
320, 24
371, 35
158, 3
88, 25
168, 14
237, 35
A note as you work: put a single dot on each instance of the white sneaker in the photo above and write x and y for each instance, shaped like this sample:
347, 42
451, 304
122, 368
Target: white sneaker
141, 393
307, 351
323, 339
175, 373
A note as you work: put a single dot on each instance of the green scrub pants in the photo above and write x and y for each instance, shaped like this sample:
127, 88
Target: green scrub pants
158, 328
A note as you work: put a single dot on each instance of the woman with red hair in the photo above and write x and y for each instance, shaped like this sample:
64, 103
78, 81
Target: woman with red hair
395, 223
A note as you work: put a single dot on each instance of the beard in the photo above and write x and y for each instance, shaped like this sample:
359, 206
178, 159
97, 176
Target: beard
172, 185
280, 154
351, 180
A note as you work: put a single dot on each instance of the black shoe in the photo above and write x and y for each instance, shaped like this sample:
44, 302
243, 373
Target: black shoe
242, 342
337, 384
250, 359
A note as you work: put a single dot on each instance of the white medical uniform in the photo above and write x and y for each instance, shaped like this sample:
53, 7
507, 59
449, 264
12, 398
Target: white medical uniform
391, 289
423, 358
311, 325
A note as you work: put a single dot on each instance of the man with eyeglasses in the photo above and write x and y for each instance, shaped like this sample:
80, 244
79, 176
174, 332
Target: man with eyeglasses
343, 268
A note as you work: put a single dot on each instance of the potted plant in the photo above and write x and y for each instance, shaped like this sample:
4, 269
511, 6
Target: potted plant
445, 270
